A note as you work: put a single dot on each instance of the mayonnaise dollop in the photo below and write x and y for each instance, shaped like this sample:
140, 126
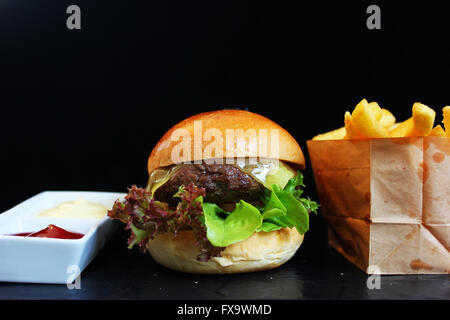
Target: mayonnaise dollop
77, 209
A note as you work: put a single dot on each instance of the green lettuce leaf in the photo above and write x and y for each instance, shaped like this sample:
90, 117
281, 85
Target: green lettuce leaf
283, 208
298, 208
274, 207
267, 226
224, 228
294, 185
297, 215
310, 205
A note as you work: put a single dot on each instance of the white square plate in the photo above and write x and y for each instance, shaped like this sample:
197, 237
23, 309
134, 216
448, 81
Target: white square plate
46, 260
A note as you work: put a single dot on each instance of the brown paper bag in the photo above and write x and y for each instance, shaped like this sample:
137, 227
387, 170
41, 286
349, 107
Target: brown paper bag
386, 202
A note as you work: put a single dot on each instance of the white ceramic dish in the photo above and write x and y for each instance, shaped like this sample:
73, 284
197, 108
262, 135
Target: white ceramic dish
45, 260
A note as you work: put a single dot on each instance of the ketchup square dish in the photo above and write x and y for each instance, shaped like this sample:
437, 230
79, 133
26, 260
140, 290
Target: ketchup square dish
54, 235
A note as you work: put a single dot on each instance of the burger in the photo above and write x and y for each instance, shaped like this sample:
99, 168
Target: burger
224, 195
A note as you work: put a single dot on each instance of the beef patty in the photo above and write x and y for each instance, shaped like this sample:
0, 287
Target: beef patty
223, 183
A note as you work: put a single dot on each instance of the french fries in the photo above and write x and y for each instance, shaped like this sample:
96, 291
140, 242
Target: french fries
351, 131
446, 112
369, 120
437, 132
374, 109
423, 119
387, 119
403, 129
366, 119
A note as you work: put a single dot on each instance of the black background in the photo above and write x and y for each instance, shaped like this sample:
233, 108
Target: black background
82, 109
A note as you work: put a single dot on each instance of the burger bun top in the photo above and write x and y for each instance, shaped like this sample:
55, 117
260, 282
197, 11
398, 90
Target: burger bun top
217, 123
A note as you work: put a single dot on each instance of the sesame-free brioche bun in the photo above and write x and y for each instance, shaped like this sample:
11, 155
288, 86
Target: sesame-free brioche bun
288, 149
261, 251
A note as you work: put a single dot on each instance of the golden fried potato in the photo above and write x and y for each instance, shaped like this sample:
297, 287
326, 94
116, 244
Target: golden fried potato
375, 109
351, 131
420, 124
437, 131
387, 119
369, 120
364, 119
446, 121
337, 134
423, 119
403, 129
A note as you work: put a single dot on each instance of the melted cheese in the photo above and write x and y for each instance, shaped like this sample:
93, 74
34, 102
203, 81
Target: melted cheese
267, 172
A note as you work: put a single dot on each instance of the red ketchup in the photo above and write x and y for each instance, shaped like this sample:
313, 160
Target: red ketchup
51, 231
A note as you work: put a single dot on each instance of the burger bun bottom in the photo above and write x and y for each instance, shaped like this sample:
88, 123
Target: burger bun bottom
261, 251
